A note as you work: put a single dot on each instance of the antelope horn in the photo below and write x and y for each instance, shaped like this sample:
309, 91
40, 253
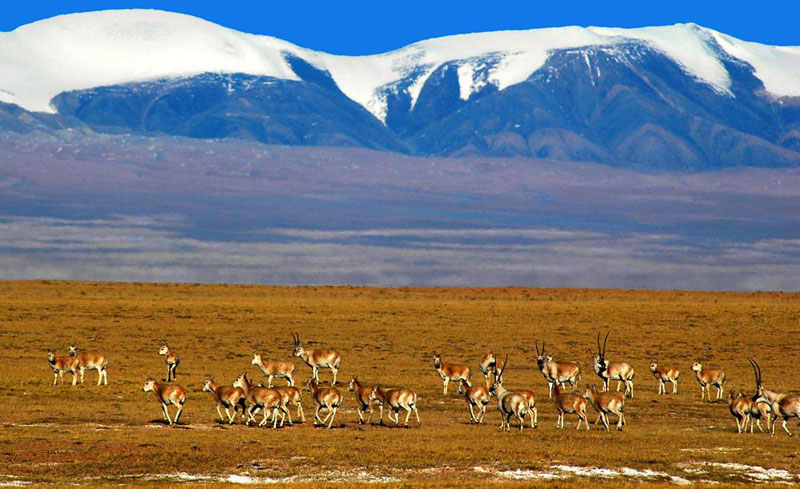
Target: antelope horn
605, 342
599, 350
537, 348
542, 347
505, 364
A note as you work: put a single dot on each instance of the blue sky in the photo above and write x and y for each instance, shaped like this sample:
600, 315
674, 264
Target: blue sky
363, 27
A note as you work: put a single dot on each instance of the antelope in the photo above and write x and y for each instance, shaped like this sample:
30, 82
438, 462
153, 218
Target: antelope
529, 396
292, 396
622, 372
394, 400
557, 372
664, 375
765, 399
570, 403
476, 396
61, 365
317, 359
227, 397
788, 407
489, 367
740, 407
706, 378
174, 395
451, 371
510, 403
362, 394
607, 402
261, 398
172, 361
91, 361
273, 368
324, 398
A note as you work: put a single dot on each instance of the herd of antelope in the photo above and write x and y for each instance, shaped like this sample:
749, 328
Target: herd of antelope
562, 378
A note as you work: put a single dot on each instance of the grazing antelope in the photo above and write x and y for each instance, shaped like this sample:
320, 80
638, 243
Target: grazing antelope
174, 395
664, 375
61, 365
489, 367
607, 402
570, 403
509, 403
273, 368
451, 371
788, 407
394, 400
740, 407
765, 399
476, 396
172, 361
363, 401
557, 372
622, 372
226, 397
317, 359
91, 361
324, 398
706, 378
261, 398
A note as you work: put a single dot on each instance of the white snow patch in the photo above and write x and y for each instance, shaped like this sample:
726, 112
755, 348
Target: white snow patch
755, 472
565, 471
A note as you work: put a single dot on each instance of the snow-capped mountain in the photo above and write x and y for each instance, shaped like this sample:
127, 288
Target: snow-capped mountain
674, 96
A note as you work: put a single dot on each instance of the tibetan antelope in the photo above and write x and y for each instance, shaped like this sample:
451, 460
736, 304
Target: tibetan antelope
261, 398
395, 400
557, 372
451, 371
664, 375
476, 396
741, 407
60, 365
174, 395
529, 396
708, 377
91, 361
292, 396
324, 398
273, 368
605, 403
622, 372
570, 403
788, 407
227, 397
363, 400
172, 361
489, 367
765, 399
317, 359
509, 403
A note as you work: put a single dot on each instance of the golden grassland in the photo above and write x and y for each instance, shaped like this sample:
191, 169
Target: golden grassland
100, 435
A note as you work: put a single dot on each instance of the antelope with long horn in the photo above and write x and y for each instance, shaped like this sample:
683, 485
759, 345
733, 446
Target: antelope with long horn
489, 367
317, 359
61, 365
510, 403
394, 400
570, 403
328, 398
765, 399
261, 398
172, 360
274, 369
622, 372
740, 407
227, 397
292, 396
554, 373
664, 375
363, 401
91, 361
451, 372
605, 403
477, 396
173, 395
529, 396
708, 377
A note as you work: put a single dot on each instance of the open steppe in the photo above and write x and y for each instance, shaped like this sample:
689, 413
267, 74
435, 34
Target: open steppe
102, 435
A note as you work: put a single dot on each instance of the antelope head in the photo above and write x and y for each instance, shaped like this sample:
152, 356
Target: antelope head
299, 351
240, 381
540, 356
498, 380
207, 384
256, 359
164, 349
437, 360
757, 372
600, 361
352, 386
149, 385
73, 350
51, 356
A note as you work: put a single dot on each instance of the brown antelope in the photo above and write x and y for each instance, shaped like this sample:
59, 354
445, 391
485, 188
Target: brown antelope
765, 399
476, 396
509, 403
570, 403
61, 365
261, 398
605, 403
557, 372
273, 368
292, 396
529, 396
227, 397
363, 401
451, 371
324, 398
708, 377
664, 375
317, 359
91, 361
741, 407
172, 361
395, 400
174, 395
622, 372
788, 407
489, 367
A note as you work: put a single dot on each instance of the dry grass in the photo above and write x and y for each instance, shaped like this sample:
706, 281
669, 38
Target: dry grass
97, 435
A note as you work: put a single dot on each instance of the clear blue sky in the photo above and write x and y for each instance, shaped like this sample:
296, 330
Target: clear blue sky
363, 27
